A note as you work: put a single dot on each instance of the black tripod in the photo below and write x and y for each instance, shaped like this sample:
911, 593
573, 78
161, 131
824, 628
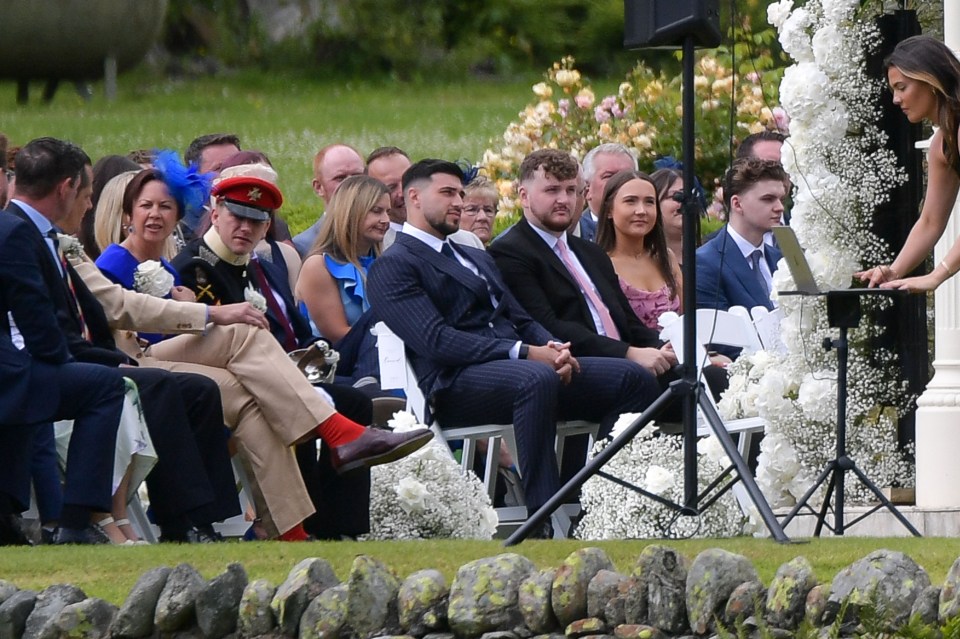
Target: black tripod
843, 312
687, 389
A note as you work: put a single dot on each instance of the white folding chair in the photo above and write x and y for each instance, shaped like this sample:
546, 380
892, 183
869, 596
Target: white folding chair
736, 328
396, 372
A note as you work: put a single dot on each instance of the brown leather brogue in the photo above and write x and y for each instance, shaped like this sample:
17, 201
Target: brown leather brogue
377, 446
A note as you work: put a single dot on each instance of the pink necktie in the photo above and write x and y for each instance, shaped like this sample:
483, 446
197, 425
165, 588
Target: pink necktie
605, 320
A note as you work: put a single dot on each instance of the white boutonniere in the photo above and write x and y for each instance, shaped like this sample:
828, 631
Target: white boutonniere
70, 246
151, 278
256, 299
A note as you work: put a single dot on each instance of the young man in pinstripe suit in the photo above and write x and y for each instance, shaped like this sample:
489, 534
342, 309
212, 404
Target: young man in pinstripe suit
478, 356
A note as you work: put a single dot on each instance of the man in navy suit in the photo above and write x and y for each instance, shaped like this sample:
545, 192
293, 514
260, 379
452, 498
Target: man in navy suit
599, 165
736, 267
192, 484
478, 356
40, 382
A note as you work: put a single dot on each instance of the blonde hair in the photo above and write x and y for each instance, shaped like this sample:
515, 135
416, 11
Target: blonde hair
108, 222
340, 232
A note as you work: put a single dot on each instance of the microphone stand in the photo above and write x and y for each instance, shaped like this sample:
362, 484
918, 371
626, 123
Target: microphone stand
687, 389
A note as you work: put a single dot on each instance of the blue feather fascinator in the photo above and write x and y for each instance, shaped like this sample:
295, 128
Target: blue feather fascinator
470, 172
189, 187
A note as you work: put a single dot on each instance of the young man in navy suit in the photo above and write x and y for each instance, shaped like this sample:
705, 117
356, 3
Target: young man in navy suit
478, 356
736, 267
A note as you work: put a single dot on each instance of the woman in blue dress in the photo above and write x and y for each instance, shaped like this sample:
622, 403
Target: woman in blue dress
333, 277
151, 211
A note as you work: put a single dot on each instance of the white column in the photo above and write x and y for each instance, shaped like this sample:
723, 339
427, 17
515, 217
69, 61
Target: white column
938, 415
951, 24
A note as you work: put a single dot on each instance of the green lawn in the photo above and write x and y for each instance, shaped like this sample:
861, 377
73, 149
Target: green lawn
109, 572
290, 118
287, 117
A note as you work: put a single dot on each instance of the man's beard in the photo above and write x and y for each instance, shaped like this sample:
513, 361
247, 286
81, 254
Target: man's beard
557, 226
443, 227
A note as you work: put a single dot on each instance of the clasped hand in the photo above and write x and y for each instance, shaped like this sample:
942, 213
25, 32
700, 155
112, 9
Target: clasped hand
558, 356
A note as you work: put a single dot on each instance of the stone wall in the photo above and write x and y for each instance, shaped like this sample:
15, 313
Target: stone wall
501, 597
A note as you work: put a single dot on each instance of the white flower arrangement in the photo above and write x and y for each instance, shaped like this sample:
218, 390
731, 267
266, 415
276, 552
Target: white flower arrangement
70, 246
427, 495
841, 172
654, 463
152, 279
255, 298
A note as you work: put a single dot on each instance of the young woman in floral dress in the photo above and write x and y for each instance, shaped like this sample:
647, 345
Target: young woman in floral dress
630, 230
924, 76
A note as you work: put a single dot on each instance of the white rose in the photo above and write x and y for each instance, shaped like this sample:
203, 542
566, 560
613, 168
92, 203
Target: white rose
255, 298
489, 520
658, 480
817, 397
152, 279
794, 38
710, 448
622, 422
412, 495
778, 12
403, 421
827, 46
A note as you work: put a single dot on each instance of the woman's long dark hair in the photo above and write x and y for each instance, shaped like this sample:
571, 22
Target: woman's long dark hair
655, 242
930, 61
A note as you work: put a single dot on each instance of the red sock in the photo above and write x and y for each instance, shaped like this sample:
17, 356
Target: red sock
297, 533
337, 430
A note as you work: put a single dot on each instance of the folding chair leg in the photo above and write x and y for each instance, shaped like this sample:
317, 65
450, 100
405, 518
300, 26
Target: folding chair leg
142, 523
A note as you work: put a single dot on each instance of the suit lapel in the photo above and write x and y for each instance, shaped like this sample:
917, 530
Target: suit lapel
453, 268
548, 256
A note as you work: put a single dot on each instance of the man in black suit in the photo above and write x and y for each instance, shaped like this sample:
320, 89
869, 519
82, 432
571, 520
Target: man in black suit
479, 357
40, 382
192, 485
568, 284
536, 259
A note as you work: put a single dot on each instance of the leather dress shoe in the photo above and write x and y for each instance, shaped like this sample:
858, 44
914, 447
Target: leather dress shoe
10, 532
205, 535
542, 531
376, 446
87, 536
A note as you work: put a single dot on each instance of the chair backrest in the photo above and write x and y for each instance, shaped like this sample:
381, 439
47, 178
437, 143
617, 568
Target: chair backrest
730, 328
767, 323
395, 370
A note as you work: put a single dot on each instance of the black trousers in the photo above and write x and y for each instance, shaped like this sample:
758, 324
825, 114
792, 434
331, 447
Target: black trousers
193, 479
342, 501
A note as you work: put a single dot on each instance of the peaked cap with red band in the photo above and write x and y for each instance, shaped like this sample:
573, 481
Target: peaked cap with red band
249, 197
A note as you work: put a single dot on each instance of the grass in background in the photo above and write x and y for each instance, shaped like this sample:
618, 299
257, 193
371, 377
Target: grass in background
288, 117
110, 572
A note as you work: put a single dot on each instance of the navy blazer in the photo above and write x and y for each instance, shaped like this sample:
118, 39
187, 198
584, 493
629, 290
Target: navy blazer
588, 227
28, 391
735, 283
443, 312
545, 288
100, 348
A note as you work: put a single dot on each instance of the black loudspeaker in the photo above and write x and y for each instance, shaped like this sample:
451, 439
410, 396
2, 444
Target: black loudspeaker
666, 23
